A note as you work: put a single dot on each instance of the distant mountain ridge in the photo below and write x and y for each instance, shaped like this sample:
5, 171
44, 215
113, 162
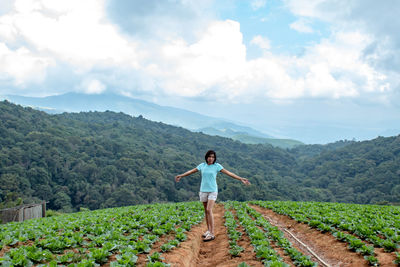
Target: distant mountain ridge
244, 137
76, 102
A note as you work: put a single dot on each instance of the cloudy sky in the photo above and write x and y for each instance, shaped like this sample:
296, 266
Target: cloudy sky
314, 70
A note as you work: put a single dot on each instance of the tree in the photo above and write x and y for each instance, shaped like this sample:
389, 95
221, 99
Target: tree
61, 201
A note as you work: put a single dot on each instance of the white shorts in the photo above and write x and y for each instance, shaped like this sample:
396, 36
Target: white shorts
205, 196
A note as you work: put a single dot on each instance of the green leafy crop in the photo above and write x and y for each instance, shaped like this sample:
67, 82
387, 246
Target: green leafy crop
91, 238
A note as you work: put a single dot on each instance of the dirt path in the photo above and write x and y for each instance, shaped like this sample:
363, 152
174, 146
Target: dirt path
194, 252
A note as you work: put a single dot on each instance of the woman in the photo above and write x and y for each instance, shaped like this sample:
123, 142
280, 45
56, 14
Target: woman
208, 188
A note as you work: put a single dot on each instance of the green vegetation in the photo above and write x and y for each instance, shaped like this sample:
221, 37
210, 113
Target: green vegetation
118, 235
253, 222
397, 261
272, 234
89, 238
11, 200
233, 234
378, 225
105, 159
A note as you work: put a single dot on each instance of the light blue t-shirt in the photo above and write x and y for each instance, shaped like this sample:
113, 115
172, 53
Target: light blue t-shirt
209, 176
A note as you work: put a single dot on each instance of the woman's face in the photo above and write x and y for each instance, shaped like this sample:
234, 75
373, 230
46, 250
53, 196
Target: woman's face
210, 159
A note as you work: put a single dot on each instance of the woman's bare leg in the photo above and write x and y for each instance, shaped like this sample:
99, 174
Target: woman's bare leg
210, 216
206, 215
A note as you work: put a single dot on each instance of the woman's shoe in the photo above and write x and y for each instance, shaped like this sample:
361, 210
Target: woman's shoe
209, 237
205, 234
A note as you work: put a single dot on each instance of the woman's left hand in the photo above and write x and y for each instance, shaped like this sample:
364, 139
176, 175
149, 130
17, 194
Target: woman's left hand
245, 181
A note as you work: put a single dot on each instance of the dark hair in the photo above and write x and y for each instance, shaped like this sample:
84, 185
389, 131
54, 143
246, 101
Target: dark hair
209, 152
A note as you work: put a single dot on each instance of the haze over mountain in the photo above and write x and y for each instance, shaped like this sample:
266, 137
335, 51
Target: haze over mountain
77, 102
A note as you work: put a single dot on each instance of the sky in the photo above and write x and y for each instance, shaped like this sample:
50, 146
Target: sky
317, 71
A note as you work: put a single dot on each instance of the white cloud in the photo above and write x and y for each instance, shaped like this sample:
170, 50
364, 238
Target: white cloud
193, 69
305, 8
301, 26
216, 67
261, 42
335, 68
93, 86
360, 15
22, 66
257, 4
73, 31
7, 30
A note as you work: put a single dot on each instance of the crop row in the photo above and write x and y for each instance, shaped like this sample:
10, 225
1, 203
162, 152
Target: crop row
376, 224
346, 221
370, 222
262, 234
233, 234
258, 238
91, 238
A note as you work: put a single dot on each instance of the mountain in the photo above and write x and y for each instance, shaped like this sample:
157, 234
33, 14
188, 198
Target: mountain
108, 159
282, 143
253, 138
75, 102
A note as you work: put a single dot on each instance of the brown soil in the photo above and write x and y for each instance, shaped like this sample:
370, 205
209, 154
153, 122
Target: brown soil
4, 250
194, 252
278, 249
247, 255
324, 245
385, 258
331, 251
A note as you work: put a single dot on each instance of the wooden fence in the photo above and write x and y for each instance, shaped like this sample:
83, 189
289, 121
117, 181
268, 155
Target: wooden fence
23, 212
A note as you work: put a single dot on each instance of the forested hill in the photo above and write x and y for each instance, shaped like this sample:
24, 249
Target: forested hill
107, 159
110, 159
361, 172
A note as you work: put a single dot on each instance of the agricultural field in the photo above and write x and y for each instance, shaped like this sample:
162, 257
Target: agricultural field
253, 233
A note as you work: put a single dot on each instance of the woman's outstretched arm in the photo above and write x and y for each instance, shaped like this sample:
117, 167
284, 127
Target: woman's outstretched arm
231, 174
178, 177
